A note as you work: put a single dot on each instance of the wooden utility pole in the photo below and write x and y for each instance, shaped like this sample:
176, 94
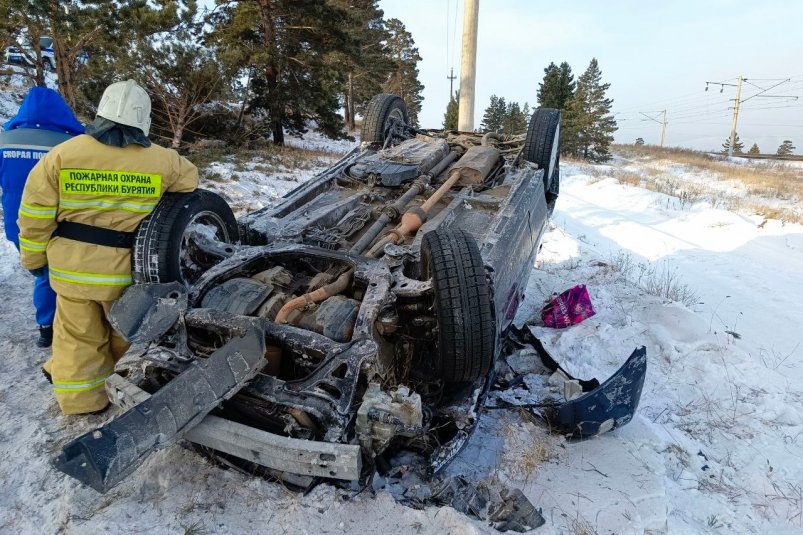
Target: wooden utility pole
735, 115
468, 66
451, 79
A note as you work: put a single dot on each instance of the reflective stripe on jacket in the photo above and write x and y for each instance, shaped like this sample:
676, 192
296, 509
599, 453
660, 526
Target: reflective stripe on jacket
85, 181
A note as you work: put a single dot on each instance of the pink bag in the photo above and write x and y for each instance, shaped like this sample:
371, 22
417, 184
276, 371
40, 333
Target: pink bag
569, 308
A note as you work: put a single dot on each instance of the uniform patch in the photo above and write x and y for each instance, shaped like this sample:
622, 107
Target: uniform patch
115, 183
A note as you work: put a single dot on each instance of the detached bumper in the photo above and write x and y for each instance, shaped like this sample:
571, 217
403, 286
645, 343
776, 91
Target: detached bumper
586, 407
608, 406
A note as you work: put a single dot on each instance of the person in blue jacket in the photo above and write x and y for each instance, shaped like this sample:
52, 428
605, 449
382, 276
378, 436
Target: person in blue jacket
44, 120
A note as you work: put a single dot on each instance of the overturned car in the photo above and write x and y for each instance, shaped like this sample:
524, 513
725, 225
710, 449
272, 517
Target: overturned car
361, 316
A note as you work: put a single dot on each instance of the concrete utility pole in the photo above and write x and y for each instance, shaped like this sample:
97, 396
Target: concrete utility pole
661, 122
468, 65
735, 114
451, 79
738, 100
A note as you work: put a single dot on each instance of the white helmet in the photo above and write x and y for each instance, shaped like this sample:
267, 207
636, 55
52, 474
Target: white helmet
126, 103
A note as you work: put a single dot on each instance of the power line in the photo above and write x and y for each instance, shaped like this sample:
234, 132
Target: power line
662, 122
762, 95
737, 102
694, 96
450, 57
773, 107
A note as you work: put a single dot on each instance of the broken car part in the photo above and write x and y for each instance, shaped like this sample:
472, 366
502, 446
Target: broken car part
102, 458
304, 457
587, 408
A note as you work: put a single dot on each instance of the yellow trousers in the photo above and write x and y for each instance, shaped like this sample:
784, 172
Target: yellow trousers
85, 349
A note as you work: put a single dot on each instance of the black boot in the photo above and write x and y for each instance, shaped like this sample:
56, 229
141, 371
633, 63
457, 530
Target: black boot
45, 336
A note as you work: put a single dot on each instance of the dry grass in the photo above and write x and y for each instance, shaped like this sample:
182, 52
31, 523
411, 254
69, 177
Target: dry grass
628, 178
526, 451
660, 281
765, 184
269, 155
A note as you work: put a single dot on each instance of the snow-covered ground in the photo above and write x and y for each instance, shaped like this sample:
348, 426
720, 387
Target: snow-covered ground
242, 182
717, 445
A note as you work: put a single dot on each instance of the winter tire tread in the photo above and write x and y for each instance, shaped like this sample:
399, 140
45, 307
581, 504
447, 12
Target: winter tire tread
466, 327
377, 112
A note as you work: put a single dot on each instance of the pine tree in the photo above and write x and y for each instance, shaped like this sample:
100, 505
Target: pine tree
450, 118
370, 67
738, 146
786, 148
754, 149
588, 123
23, 23
294, 50
557, 87
403, 80
514, 121
639, 141
181, 75
89, 38
494, 117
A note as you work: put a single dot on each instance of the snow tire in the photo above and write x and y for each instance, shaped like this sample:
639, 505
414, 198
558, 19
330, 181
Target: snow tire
158, 252
466, 336
542, 147
379, 110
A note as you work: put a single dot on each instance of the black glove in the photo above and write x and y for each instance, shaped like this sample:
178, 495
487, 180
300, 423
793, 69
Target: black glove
39, 272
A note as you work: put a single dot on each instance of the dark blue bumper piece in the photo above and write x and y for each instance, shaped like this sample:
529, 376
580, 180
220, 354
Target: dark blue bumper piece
610, 405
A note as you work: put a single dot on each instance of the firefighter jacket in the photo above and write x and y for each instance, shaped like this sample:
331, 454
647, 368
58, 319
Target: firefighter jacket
43, 121
85, 181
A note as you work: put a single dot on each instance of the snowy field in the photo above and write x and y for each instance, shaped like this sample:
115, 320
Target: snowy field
716, 446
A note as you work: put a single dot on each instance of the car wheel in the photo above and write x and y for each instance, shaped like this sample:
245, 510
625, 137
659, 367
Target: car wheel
163, 249
466, 329
48, 65
542, 147
382, 113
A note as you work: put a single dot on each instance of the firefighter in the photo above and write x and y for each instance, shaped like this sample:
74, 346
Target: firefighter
43, 121
81, 206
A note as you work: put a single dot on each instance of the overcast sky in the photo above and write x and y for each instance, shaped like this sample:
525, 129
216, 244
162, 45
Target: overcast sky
655, 55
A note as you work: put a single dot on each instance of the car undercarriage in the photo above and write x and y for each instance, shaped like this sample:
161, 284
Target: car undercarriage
369, 313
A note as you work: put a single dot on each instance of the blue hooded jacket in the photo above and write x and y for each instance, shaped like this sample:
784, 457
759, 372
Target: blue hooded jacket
44, 120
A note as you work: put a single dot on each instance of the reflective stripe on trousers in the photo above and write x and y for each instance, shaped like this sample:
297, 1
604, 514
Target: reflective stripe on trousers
97, 279
79, 386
